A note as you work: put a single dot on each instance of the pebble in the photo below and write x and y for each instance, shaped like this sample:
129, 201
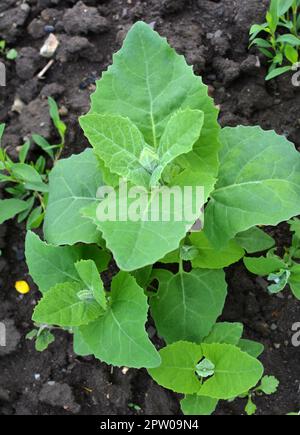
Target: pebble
277, 345
274, 327
49, 29
50, 46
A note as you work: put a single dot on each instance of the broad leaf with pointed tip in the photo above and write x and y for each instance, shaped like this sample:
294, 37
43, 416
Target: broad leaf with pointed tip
65, 305
229, 333
235, 371
88, 272
187, 305
177, 371
211, 258
73, 184
158, 83
50, 265
119, 144
179, 137
119, 337
255, 240
259, 183
9, 208
263, 266
138, 243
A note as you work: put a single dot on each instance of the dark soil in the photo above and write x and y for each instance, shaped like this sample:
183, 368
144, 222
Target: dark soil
213, 36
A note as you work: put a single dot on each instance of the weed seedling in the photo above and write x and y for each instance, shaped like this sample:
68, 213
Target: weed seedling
282, 43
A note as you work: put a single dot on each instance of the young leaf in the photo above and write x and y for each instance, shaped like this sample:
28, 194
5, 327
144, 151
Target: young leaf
155, 76
24, 152
187, 305
250, 407
280, 281
88, 272
67, 305
255, 240
35, 218
177, 371
229, 333
235, 371
73, 184
289, 39
29, 176
179, 137
44, 145
205, 368
10, 207
119, 143
54, 113
291, 54
211, 258
269, 385
119, 336
50, 265
194, 404
251, 347
278, 72
250, 178
263, 266
44, 339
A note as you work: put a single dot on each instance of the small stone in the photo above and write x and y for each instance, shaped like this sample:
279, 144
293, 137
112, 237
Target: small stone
273, 327
277, 345
49, 29
18, 106
50, 46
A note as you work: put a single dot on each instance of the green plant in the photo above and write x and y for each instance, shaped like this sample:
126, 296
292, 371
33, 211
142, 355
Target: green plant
282, 43
27, 182
267, 386
280, 271
153, 123
10, 54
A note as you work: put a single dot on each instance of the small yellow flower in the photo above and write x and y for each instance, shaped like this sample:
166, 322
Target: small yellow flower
22, 287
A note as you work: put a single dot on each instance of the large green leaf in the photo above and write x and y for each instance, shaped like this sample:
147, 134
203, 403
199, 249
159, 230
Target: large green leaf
264, 265
50, 265
177, 371
73, 185
255, 240
10, 207
259, 183
158, 83
88, 272
211, 258
68, 304
138, 243
187, 305
229, 333
119, 144
119, 337
235, 372
194, 404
